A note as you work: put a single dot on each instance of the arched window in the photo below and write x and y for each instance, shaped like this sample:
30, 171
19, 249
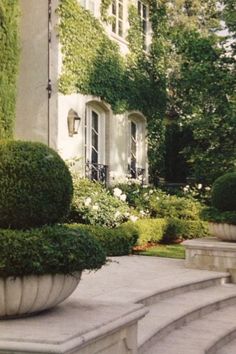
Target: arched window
95, 143
137, 157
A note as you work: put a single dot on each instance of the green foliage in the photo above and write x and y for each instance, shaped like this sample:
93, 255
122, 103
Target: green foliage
184, 229
214, 215
116, 242
104, 8
35, 185
150, 230
9, 56
55, 249
141, 198
92, 64
224, 192
171, 206
93, 204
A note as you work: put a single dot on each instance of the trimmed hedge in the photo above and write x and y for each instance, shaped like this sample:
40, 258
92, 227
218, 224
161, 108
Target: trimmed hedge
50, 249
214, 215
184, 229
35, 185
224, 192
150, 230
116, 242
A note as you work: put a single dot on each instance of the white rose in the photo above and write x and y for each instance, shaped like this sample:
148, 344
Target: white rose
123, 197
87, 201
117, 214
199, 186
117, 192
133, 218
208, 188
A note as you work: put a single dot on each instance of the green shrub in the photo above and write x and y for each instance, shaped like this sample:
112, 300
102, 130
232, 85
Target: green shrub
116, 242
35, 185
150, 230
184, 229
214, 215
224, 192
9, 59
93, 204
50, 249
177, 207
142, 198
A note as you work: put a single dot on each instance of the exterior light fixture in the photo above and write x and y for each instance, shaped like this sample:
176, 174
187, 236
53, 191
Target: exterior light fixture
73, 121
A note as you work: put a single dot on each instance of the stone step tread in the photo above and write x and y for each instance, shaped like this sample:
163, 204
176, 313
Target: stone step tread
165, 312
228, 349
163, 287
198, 336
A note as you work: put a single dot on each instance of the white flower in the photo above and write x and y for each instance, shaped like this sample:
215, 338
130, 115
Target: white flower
199, 186
157, 198
151, 191
123, 197
186, 188
133, 218
142, 212
117, 214
87, 201
208, 188
95, 207
117, 192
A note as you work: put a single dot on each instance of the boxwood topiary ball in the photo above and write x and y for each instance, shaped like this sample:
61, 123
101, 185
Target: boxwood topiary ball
35, 185
224, 192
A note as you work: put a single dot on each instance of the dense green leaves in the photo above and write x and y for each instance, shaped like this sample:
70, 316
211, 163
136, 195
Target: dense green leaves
9, 53
35, 185
49, 250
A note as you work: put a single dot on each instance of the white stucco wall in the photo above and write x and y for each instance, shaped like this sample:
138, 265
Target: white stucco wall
36, 116
44, 119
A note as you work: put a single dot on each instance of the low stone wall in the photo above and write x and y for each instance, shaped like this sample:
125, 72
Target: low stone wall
79, 327
211, 254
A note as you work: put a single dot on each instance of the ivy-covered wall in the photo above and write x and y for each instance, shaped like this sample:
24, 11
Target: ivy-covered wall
9, 55
92, 64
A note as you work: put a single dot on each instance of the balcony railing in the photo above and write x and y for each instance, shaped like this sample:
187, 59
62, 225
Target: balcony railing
96, 172
137, 173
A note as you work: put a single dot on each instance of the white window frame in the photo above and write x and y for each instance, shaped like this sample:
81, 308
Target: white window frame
117, 19
143, 19
89, 5
101, 135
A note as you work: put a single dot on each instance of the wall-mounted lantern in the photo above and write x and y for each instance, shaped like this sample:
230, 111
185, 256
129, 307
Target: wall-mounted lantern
73, 121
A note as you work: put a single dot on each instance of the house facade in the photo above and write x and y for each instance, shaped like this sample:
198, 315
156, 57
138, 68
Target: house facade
103, 144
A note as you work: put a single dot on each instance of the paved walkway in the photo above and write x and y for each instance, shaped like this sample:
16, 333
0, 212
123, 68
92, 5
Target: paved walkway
131, 278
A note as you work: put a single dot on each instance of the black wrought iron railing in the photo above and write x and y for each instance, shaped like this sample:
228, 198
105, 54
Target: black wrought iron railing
137, 173
96, 172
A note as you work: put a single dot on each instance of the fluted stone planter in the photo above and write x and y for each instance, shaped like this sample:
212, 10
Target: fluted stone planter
225, 232
20, 296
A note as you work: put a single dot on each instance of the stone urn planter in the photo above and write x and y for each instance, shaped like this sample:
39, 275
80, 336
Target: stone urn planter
223, 231
21, 296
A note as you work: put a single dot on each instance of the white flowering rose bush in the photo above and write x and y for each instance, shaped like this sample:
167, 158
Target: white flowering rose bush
141, 198
93, 204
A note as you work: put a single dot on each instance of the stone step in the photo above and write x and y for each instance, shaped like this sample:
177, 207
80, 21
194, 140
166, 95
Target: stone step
229, 348
169, 314
199, 336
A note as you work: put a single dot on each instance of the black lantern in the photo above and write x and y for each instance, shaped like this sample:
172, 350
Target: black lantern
73, 121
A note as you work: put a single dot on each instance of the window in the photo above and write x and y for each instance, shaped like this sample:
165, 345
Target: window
137, 154
118, 17
142, 11
95, 144
133, 149
88, 5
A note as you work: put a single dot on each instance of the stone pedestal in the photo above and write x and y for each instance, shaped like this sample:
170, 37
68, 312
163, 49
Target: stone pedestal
78, 327
211, 254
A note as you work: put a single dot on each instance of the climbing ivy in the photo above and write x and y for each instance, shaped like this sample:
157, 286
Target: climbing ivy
104, 9
92, 64
9, 54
